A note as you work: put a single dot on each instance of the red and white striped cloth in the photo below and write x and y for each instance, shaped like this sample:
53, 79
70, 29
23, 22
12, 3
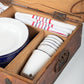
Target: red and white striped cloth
54, 26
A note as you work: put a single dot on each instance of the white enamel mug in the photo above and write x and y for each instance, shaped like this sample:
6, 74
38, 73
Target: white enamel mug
48, 49
50, 44
37, 60
55, 37
52, 41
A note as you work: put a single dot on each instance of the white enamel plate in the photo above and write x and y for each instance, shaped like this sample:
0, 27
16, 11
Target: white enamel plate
13, 34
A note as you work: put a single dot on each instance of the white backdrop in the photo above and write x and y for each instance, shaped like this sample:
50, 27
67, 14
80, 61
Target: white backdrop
74, 71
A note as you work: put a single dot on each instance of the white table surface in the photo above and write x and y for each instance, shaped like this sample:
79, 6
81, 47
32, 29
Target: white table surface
74, 71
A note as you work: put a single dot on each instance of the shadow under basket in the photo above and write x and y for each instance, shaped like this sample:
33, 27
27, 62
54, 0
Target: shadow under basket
51, 70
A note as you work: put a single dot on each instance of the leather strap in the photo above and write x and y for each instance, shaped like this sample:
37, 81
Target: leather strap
74, 6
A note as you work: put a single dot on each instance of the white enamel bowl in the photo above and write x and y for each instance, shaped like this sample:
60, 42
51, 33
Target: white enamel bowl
13, 38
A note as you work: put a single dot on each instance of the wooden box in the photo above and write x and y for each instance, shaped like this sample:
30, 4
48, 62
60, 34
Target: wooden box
73, 10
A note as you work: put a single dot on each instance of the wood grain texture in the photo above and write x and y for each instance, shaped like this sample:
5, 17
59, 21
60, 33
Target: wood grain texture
54, 5
49, 5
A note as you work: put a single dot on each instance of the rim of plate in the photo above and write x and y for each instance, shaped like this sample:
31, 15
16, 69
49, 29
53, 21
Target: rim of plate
26, 34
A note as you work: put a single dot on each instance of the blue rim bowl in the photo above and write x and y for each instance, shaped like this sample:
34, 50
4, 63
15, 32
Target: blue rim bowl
5, 58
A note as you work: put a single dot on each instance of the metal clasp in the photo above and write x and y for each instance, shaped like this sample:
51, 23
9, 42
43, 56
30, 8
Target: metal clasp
59, 16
